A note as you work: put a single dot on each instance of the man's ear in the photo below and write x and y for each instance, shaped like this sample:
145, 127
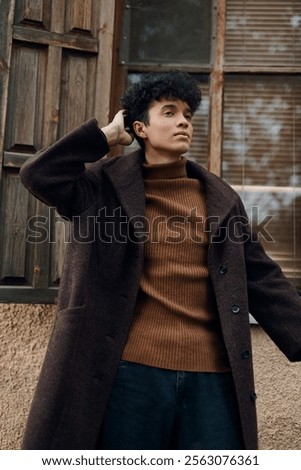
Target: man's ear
139, 129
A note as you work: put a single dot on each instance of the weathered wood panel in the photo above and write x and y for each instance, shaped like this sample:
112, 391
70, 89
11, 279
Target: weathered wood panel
52, 95
78, 85
26, 98
57, 23
33, 11
13, 241
38, 254
79, 15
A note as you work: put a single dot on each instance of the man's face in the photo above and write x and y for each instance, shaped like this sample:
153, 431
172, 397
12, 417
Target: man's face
168, 132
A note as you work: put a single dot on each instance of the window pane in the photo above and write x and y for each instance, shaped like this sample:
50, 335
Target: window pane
262, 159
263, 32
170, 31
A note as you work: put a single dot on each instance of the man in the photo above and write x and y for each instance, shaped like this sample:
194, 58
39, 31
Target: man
151, 348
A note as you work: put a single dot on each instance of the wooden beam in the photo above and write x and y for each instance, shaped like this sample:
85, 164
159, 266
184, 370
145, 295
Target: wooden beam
52, 95
70, 41
216, 94
20, 294
15, 159
6, 24
258, 70
119, 71
104, 61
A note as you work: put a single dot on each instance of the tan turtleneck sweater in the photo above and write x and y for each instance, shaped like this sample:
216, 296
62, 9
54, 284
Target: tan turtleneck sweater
175, 323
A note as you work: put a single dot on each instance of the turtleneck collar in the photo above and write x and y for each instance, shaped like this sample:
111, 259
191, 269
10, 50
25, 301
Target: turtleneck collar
170, 170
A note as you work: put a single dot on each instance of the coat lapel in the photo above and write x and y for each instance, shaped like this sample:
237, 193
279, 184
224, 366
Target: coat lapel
125, 175
220, 197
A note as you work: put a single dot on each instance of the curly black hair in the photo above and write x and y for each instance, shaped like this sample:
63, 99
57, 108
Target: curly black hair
155, 86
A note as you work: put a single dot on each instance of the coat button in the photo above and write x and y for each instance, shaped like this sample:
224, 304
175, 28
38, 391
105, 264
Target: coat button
253, 396
235, 308
223, 269
245, 354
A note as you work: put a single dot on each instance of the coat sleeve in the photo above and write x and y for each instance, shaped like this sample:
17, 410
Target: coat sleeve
273, 301
57, 176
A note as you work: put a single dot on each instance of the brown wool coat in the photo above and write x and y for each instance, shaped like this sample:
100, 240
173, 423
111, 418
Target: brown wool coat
100, 282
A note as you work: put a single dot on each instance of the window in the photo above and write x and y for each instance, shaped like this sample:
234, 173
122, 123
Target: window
263, 33
261, 155
158, 35
262, 159
170, 32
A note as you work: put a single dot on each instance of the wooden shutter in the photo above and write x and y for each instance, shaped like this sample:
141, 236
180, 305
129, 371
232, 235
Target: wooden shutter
262, 158
263, 33
54, 78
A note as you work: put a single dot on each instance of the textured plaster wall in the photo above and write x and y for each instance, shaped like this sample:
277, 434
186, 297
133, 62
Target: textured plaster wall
24, 333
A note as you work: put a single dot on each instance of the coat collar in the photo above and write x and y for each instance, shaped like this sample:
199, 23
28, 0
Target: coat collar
220, 197
125, 174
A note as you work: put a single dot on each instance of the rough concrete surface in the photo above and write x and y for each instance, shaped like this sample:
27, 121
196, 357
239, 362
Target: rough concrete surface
24, 334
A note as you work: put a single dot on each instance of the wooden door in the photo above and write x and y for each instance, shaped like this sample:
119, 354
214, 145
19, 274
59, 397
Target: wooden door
55, 73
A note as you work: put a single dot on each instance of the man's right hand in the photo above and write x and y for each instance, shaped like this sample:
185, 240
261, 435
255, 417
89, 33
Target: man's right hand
115, 131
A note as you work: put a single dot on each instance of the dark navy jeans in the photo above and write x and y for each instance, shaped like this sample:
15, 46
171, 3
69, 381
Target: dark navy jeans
152, 408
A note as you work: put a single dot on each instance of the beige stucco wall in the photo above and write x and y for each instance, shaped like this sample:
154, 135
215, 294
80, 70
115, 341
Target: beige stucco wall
24, 333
